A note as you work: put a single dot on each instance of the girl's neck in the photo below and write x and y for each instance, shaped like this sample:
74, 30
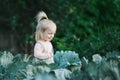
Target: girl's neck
43, 41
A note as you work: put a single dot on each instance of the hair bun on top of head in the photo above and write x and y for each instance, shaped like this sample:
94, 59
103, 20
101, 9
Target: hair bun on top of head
41, 15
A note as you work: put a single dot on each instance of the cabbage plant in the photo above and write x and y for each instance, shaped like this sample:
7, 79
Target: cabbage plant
66, 58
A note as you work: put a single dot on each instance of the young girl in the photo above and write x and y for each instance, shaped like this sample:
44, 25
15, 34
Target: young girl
45, 30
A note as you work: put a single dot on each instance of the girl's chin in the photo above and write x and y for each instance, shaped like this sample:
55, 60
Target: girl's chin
48, 40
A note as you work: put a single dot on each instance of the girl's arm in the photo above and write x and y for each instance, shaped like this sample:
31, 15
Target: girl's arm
40, 53
52, 52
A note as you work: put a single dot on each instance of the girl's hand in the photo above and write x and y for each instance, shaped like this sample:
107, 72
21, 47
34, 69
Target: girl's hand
51, 54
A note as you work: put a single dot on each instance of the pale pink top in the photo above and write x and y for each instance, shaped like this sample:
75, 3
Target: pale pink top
43, 51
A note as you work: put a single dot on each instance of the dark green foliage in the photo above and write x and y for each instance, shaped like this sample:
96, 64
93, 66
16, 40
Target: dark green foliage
84, 26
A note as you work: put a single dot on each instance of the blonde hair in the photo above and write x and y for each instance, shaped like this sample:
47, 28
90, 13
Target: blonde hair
43, 23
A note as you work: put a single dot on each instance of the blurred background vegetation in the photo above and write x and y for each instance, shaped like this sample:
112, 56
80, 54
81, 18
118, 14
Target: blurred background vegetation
85, 26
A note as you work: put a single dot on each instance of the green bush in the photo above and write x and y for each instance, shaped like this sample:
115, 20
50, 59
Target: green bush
84, 26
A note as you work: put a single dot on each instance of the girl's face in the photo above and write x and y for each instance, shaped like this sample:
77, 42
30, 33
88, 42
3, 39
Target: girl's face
48, 34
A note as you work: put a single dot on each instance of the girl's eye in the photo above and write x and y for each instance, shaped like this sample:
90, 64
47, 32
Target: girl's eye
50, 33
